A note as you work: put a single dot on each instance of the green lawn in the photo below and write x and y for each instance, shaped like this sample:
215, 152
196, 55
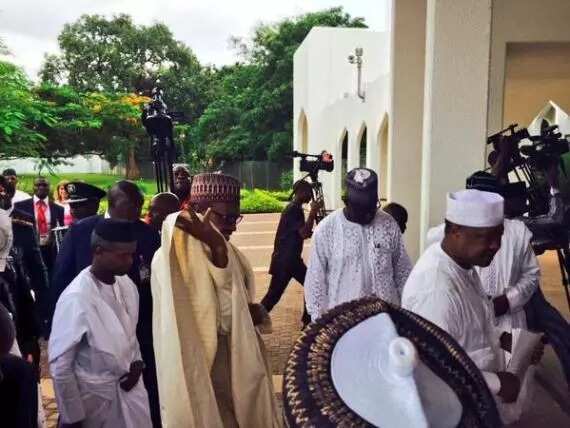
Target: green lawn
253, 201
103, 181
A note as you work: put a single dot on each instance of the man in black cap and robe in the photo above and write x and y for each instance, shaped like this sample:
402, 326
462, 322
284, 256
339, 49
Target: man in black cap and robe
125, 203
358, 251
94, 355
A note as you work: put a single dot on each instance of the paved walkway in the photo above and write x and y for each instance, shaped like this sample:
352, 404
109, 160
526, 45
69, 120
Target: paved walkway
255, 238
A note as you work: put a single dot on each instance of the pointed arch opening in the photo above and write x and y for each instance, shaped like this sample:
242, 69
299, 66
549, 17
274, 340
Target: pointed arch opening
383, 151
343, 158
362, 146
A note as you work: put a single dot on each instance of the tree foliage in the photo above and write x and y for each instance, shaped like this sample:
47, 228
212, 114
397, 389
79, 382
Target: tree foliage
251, 118
88, 102
107, 56
21, 114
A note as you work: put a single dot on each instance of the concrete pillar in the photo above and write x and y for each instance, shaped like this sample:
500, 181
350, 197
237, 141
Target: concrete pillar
405, 120
455, 100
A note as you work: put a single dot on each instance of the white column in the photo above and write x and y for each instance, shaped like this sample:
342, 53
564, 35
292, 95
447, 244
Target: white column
455, 100
405, 120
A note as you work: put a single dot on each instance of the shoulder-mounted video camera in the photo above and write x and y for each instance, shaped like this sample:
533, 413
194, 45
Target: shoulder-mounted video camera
312, 164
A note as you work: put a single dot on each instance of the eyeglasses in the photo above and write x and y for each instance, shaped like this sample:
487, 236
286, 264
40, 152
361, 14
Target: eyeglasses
230, 218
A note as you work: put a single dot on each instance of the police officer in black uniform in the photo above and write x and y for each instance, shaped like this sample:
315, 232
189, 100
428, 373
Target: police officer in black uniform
83, 199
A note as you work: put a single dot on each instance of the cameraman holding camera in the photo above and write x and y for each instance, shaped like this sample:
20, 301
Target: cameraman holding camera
286, 261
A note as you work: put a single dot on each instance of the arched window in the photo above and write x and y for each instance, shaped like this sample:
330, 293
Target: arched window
362, 148
344, 159
383, 143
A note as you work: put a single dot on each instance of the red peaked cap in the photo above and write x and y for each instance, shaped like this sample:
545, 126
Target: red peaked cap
214, 187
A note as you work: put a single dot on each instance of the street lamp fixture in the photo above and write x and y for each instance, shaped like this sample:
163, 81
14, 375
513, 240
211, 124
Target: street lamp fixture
357, 59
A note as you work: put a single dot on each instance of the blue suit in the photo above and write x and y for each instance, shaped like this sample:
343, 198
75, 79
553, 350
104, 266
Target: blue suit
75, 255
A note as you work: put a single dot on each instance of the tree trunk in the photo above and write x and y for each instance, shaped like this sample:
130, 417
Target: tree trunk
132, 169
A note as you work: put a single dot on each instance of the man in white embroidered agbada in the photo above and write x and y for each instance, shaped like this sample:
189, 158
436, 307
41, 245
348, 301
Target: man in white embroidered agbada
358, 251
94, 355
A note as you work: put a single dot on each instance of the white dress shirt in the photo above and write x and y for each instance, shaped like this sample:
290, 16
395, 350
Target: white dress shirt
43, 238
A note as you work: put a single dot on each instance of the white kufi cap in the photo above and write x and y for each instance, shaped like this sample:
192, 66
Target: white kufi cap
475, 208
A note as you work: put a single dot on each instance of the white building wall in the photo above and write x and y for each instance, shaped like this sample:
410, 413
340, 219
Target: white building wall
521, 21
77, 164
555, 116
463, 86
325, 92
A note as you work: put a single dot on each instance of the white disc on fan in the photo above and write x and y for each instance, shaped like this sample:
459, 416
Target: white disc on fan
379, 375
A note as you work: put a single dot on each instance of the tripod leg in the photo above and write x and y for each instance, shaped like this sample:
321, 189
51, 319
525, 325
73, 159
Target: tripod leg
564, 269
157, 173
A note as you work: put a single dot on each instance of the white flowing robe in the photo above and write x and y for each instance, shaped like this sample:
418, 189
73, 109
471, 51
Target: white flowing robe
92, 344
513, 272
211, 362
451, 297
349, 261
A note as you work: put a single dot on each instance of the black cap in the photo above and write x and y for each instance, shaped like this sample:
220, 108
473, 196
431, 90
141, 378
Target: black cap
81, 192
9, 171
112, 230
483, 181
362, 186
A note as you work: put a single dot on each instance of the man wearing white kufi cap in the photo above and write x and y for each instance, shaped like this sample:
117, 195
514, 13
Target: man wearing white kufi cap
445, 288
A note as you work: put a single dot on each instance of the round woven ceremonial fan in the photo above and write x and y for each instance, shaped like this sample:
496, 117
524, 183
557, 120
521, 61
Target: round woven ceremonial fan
344, 341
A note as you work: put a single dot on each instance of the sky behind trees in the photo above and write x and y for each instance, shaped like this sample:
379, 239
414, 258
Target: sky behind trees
30, 28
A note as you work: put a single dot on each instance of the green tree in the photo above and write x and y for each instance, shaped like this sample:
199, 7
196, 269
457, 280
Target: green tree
251, 118
115, 55
22, 114
106, 124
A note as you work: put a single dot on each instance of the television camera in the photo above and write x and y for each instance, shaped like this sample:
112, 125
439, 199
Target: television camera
312, 164
533, 163
158, 122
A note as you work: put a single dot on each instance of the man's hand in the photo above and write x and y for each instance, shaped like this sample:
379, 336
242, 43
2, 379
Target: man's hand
510, 387
506, 341
501, 305
258, 313
130, 379
202, 229
316, 206
537, 353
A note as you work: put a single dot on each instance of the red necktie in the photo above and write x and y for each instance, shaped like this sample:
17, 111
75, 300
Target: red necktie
41, 218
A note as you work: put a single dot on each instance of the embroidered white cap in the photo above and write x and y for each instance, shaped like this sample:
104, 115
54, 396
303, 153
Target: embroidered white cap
475, 208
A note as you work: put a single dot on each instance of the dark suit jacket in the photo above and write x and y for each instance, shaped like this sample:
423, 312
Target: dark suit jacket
28, 257
75, 255
56, 212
